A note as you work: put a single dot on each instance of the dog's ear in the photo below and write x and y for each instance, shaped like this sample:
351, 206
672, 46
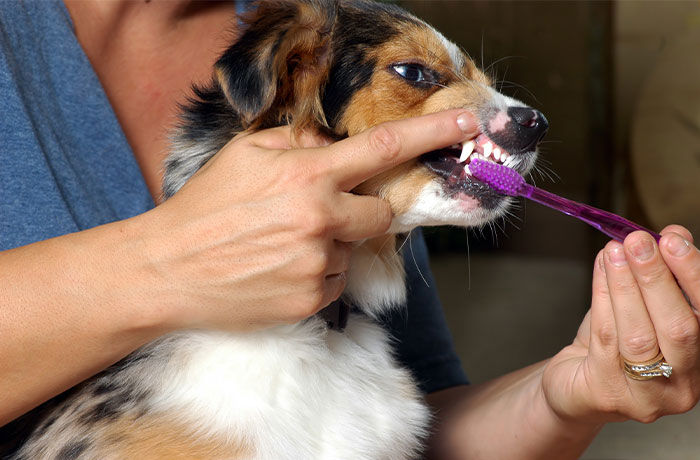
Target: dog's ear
275, 73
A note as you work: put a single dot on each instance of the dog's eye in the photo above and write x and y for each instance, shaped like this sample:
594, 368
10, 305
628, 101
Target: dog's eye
414, 73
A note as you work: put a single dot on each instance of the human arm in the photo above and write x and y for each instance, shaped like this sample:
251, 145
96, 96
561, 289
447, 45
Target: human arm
554, 409
254, 239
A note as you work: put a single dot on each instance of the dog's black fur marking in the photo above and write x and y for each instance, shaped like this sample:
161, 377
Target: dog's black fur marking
208, 112
104, 410
73, 449
352, 70
14, 434
104, 386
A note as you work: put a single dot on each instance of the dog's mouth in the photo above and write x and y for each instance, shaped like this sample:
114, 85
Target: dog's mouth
451, 164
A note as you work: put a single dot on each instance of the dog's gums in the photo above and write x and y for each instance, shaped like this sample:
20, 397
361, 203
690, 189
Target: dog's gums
452, 164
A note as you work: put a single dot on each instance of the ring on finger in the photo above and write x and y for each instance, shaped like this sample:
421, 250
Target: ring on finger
656, 367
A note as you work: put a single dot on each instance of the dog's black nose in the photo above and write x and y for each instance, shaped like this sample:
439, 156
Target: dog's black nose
530, 127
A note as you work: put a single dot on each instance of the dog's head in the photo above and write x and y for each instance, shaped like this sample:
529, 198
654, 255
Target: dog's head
340, 67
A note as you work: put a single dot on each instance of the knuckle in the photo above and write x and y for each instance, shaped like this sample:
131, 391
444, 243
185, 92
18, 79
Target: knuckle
295, 310
304, 306
640, 344
315, 221
623, 286
652, 277
683, 332
607, 335
314, 302
647, 416
386, 142
317, 265
685, 401
291, 175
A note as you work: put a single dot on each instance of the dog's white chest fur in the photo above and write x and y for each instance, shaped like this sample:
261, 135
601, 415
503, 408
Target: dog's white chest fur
292, 392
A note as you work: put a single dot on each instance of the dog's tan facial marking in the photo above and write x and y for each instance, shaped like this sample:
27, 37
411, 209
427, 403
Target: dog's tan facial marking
458, 84
397, 186
389, 96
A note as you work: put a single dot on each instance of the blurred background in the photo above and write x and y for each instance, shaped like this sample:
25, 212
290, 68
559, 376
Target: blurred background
620, 85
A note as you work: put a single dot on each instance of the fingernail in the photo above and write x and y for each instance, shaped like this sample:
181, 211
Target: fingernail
465, 120
643, 249
617, 256
677, 245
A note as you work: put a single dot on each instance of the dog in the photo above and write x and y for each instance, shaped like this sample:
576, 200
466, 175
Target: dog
307, 390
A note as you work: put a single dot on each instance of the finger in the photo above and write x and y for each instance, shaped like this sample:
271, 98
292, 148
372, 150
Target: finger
357, 158
359, 217
674, 321
682, 231
684, 261
604, 347
637, 337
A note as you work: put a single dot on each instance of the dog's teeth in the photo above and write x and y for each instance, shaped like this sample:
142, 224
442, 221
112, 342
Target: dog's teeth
497, 154
488, 147
467, 150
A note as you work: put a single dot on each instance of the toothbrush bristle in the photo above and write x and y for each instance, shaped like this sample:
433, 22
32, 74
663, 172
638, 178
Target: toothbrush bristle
500, 178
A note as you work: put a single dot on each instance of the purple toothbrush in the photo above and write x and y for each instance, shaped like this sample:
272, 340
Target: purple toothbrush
508, 182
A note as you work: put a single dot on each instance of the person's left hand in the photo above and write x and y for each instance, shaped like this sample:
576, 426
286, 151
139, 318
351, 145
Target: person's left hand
637, 311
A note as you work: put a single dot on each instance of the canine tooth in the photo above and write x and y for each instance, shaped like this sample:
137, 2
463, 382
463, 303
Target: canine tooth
488, 147
467, 150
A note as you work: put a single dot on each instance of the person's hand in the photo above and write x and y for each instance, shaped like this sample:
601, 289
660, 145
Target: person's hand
637, 311
261, 234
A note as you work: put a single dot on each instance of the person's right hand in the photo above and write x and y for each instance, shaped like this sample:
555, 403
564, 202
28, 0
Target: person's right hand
260, 235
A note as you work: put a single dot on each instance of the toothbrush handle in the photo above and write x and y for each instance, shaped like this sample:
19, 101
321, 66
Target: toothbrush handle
611, 224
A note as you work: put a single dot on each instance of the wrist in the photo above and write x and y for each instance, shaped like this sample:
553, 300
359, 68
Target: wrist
117, 275
570, 435
143, 246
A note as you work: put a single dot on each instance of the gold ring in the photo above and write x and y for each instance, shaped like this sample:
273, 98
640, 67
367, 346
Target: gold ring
647, 370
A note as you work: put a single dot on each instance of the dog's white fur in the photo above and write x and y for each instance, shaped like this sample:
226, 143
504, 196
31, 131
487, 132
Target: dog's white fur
293, 392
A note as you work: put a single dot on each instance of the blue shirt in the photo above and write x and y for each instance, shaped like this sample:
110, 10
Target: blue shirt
66, 166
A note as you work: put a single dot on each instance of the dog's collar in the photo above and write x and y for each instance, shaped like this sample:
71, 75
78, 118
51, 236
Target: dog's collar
336, 315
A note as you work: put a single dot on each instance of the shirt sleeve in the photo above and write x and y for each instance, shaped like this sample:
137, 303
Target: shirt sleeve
423, 340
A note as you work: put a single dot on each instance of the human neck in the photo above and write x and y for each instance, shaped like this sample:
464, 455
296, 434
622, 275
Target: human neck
147, 55
104, 28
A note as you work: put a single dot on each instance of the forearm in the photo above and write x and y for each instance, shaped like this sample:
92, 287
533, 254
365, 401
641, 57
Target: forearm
71, 306
505, 418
